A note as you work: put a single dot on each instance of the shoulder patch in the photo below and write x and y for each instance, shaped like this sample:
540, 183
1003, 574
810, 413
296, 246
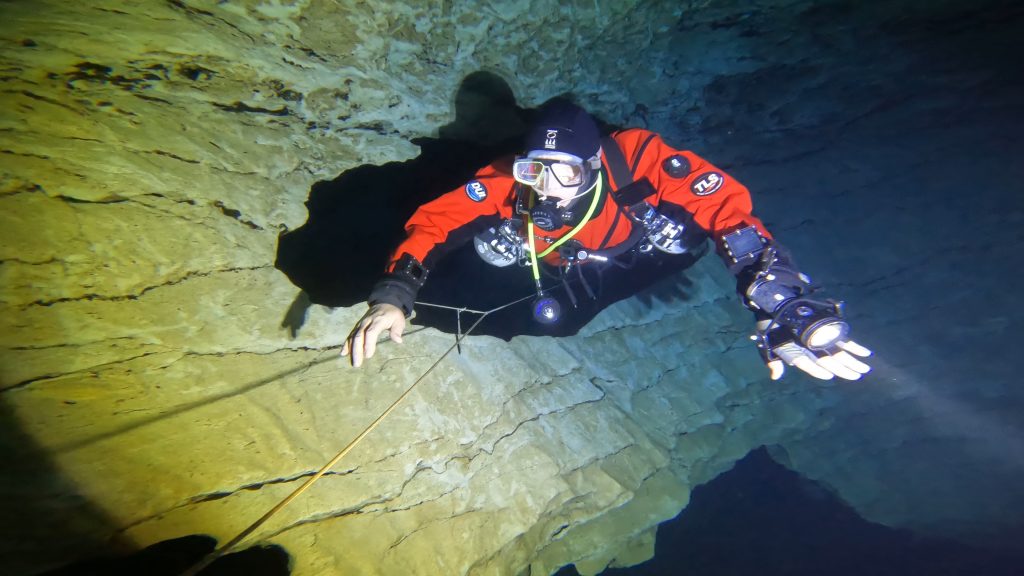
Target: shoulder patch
676, 166
476, 191
707, 183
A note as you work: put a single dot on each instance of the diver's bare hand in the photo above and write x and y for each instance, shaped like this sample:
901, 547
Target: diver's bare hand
362, 342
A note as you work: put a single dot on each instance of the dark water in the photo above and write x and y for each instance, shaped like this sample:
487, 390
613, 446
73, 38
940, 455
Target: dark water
762, 519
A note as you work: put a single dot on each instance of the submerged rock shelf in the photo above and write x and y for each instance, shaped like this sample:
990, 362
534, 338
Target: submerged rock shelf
160, 378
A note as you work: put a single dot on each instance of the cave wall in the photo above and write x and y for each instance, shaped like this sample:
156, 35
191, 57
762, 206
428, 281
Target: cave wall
154, 151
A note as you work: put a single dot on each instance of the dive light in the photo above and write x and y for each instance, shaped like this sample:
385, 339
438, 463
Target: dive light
817, 325
546, 309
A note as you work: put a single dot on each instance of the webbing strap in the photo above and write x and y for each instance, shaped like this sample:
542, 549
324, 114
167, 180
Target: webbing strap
617, 164
622, 173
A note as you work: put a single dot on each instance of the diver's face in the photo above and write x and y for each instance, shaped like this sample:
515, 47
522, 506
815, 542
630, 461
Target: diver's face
561, 178
549, 187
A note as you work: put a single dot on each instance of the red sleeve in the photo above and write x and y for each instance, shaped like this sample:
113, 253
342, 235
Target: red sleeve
718, 202
452, 219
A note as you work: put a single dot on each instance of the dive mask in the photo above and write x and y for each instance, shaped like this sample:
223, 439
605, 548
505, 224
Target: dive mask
568, 171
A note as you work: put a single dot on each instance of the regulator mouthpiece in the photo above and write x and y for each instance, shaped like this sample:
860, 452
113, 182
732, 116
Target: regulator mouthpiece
546, 215
546, 309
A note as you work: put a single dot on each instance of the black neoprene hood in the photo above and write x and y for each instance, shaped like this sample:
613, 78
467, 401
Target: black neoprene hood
564, 127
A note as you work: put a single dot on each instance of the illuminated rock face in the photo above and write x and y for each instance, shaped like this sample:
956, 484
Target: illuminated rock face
152, 153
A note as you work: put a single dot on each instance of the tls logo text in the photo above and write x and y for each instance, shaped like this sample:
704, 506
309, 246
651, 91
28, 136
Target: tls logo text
707, 183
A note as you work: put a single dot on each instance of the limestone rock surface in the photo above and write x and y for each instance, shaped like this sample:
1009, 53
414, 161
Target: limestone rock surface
150, 387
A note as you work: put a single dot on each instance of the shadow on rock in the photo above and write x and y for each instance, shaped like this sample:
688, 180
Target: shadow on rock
172, 557
45, 517
357, 219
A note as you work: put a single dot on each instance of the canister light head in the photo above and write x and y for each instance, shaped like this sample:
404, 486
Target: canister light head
824, 334
546, 309
817, 325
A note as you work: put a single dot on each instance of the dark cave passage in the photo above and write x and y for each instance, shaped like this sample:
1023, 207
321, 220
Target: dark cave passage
762, 518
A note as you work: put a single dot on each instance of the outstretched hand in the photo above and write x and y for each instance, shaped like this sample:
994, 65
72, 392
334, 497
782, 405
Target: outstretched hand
839, 360
840, 363
362, 341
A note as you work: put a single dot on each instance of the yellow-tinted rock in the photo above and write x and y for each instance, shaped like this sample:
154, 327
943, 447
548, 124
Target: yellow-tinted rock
152, 153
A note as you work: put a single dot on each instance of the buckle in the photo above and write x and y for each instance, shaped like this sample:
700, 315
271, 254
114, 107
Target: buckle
410, 269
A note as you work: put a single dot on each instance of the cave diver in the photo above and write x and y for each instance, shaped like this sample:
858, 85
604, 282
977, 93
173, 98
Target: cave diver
576, 199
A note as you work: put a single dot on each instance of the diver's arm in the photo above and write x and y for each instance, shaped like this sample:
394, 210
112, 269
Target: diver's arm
439, 227
792, 328
435, 229
391, 302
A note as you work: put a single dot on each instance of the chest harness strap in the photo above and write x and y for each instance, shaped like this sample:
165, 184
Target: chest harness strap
629, 196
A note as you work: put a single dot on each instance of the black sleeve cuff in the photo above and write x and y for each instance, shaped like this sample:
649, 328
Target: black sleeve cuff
394, 290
